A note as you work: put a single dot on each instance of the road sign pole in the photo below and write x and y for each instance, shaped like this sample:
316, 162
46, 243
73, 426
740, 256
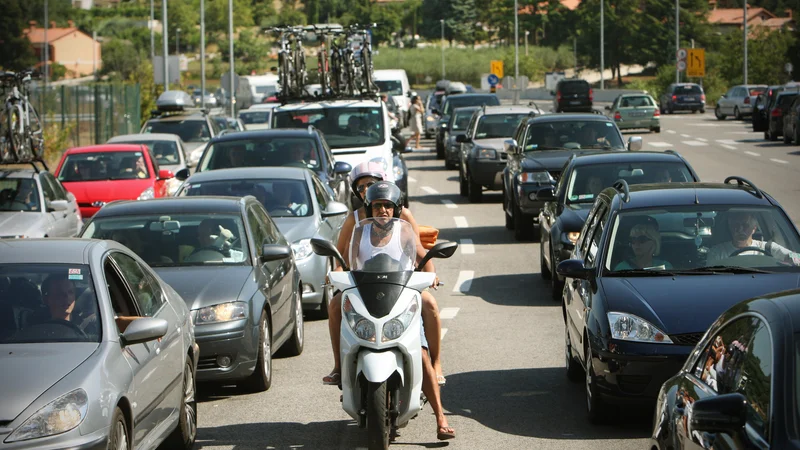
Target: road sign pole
230, 50
602, 45
677, 39
744, 18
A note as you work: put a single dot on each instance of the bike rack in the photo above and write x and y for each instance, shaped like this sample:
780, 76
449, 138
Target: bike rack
32, 163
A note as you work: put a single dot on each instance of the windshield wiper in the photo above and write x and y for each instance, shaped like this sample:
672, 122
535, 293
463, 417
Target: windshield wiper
641, 273
542, 147
596, 146
724, 269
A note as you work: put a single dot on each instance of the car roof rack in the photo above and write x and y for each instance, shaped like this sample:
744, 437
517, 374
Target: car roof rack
32, 162
746, 183
622, 187
327, 97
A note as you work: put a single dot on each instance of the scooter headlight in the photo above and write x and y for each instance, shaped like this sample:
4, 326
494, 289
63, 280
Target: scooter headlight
394, 328
361, 326
365, 330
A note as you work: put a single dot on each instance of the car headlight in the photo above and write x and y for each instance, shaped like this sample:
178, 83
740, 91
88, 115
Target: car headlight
443, 125
224, 312
397, 170
363, 327
486, 153
627, 327
302, 249
535, 177
430, 119
382, 162
147, 194
570, 236
394, 328
59, 416
194, 157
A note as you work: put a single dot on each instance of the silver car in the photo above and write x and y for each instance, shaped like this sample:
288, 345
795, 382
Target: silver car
309, 212
738, 101
168, 149
96, 351
35, 204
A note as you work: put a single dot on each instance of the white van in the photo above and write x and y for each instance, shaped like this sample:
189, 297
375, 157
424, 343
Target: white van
253, 89
395, 83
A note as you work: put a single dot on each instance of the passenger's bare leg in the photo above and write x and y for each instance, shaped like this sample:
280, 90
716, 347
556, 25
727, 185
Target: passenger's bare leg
431, 389
433, 330
334, 324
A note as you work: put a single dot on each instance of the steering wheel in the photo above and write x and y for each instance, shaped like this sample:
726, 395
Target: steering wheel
67, 324
373, 134
748, 249
281, 210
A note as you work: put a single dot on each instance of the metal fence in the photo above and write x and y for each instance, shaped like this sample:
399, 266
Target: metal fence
92, 112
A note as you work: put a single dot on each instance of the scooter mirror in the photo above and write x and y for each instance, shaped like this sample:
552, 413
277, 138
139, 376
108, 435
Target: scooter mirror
326, 248
440, 250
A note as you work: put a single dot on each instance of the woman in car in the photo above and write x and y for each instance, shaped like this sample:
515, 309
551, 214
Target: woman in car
645, 243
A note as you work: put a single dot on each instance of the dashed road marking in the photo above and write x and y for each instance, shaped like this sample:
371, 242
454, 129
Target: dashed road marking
671, 131
429, 190
740, 132
448, 313
727, 141
444, 331
729, 147
702, 139
461, 222
685, 135
695, 143
659, 144
752, 153
412, 180
464, 281
467, 248
449, 204
779, 161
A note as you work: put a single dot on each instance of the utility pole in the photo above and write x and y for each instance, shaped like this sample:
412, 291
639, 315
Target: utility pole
744, 16
230, 52
164, 35
516, 41
602, 45
94, 54
526, 41
177, 41
575, 55
152, 32
677, 39
46, 47
203, 53
441, 21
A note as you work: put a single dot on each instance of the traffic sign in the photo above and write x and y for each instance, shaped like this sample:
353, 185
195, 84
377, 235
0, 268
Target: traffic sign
788, 67
696, 63
497, 68
682, 54
681, 65
493, 80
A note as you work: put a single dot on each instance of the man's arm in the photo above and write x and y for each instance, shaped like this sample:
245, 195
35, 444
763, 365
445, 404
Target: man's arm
408, 217
343, 244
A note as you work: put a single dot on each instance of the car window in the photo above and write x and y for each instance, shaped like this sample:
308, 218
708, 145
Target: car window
274, 235
587, 181
636, 101
785, 100
58, 191
47, 190
391, 87
163, 152
343, 127
323, 197
571, 87
572, 134
583, 243
102, 166
458, 101
272, 151
596, 233
146, 292
188, 130
19, 194
756, 382
687, 89
461, 120
281, 197
121, 301
498, 125
258, 229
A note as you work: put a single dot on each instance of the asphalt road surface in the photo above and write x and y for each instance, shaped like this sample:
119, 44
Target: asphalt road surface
503, 346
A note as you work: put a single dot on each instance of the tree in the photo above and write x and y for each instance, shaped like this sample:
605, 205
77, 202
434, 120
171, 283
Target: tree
767, 53
464, 15
15, 49
120, 58
217, 15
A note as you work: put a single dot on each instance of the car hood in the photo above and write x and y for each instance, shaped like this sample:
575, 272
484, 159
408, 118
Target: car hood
28, 223
205, 286
549, 159
107, 190
29, 370
495, 143
296, 228
574, 216
688, 303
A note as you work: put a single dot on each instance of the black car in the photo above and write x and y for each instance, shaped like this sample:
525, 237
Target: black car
537, 153
305, 147
582, 179
683, 97
572, 95
655, 265
775, 114
791, 123
459, 120
451, 102
228, 260
738, 389
764, 103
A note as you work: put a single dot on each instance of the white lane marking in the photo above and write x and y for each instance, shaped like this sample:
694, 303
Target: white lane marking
729, 147
444, 331
695, 143
671, 131
740, 132
412, 180
449, 204
464, 281
727, 141
685, 135
429, 190
467, 248
448, 313
659, 144
779, 161
752, 153
461, 222
702, 139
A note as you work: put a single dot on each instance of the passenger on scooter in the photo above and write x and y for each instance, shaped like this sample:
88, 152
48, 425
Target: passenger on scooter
363, 176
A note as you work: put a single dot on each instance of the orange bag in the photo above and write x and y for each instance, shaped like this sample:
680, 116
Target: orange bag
428, 235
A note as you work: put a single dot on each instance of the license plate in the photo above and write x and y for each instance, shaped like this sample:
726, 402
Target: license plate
637, 114
688, 99
575, 102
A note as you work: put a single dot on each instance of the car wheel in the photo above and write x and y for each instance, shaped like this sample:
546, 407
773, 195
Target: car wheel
463, 186
736, 114
544, 268
702, 111
786, 138
523, 225
574, 370
184, 435
772, 136
261, 379
766, 136
718, 114
118, 433
439, 150
449, 165
508, 217
656, 130
474, 191
595, 407
294, 346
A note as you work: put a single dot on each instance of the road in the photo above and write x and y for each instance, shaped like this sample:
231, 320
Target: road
503, 336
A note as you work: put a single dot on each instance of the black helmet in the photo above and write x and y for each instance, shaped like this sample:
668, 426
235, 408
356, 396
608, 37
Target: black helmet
386, 191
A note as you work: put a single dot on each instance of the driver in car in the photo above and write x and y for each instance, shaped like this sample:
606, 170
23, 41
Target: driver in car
742, 226
283, 199
58, 296
212, 236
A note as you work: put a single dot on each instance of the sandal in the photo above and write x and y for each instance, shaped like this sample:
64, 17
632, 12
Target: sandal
332, 379
445, 433
441, 380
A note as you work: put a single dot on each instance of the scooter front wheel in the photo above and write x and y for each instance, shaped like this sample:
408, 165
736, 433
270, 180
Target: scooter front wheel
378, 425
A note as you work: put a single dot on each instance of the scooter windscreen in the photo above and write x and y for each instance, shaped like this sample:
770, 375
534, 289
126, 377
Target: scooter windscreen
383, 251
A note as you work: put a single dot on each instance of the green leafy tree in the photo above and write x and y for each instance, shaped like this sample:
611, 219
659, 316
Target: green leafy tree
120, 58
217, 15
15, 49
462, 20
767, 53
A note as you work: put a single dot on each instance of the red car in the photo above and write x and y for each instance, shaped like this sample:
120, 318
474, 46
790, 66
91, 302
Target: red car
99, 174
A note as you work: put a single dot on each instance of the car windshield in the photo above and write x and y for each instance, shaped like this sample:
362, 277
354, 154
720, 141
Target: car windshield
166, 153
391, 87
343, 127
187, 130
269, 151
461, 119
457, 101
177, 240
586, 182
19, 194
498, 125
637, 101
255, 117
104, 166
280, 197
703, 239
267, 90
573, 135
383, 244
47, 303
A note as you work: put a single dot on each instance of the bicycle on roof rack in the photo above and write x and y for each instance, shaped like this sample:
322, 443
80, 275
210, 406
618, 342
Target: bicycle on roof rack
21, 134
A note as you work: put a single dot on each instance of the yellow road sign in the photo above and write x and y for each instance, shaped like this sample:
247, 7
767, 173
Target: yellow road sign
696, 62
497, 68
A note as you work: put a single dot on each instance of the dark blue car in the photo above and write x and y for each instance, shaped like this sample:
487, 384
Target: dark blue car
654, 266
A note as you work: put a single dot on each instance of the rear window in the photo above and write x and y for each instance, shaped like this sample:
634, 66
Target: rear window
574, 86
786, 99
459, 100
688, 89
642, 100
758, 90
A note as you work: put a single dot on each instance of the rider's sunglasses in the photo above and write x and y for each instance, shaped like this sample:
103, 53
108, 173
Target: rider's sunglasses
363, 187
385, 205
640, 240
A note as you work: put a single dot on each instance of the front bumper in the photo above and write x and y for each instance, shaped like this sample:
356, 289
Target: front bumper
452, 153
486, 172
237, 340
72, 439
526, 198
312, 273
688, 106
634, 123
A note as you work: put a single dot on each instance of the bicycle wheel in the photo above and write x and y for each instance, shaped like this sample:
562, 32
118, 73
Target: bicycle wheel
366, 61
300, 69
350, 74
283, 75
7, 154
322, 68
16, 133
337, 76
36, 133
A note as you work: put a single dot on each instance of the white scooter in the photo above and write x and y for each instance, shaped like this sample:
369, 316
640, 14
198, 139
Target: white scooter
381, 328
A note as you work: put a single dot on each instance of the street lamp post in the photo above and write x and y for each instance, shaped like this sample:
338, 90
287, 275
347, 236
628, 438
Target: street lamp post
516, 41
677, 40
203, 54
602, 45
441, 21
165, 32
526, 41
46, 46
177, 41
152, 32
744, 15
230, 52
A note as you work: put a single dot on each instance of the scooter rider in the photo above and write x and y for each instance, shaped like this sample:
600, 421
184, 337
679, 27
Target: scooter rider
363, 176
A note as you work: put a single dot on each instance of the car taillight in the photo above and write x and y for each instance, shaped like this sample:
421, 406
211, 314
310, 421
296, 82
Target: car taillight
776, 112
591, 95
703, 97
747, 100
558, 96
674, 97
656, 113
617, 116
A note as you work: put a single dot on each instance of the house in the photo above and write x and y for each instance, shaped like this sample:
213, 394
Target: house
732, 19
69, 47
541, 8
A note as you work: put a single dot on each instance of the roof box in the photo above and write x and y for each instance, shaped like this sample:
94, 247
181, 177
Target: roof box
174, 101
456, 87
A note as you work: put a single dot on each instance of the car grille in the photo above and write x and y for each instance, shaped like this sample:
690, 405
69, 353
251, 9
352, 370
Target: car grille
208, 362
687, 339
503, 156
555, 174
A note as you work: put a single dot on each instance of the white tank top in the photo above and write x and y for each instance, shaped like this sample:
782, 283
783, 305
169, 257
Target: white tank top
367, 251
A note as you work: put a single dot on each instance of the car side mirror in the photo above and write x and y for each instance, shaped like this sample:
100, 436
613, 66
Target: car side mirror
510, 146
440, 250
725, 413
724, 96
546, 195
335, 209
462, 138
327, 249
342, 168
573, 268
58, 205
634, 143
553, 93
274, 252
165, 174
144, 329
182, 174
607, 108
